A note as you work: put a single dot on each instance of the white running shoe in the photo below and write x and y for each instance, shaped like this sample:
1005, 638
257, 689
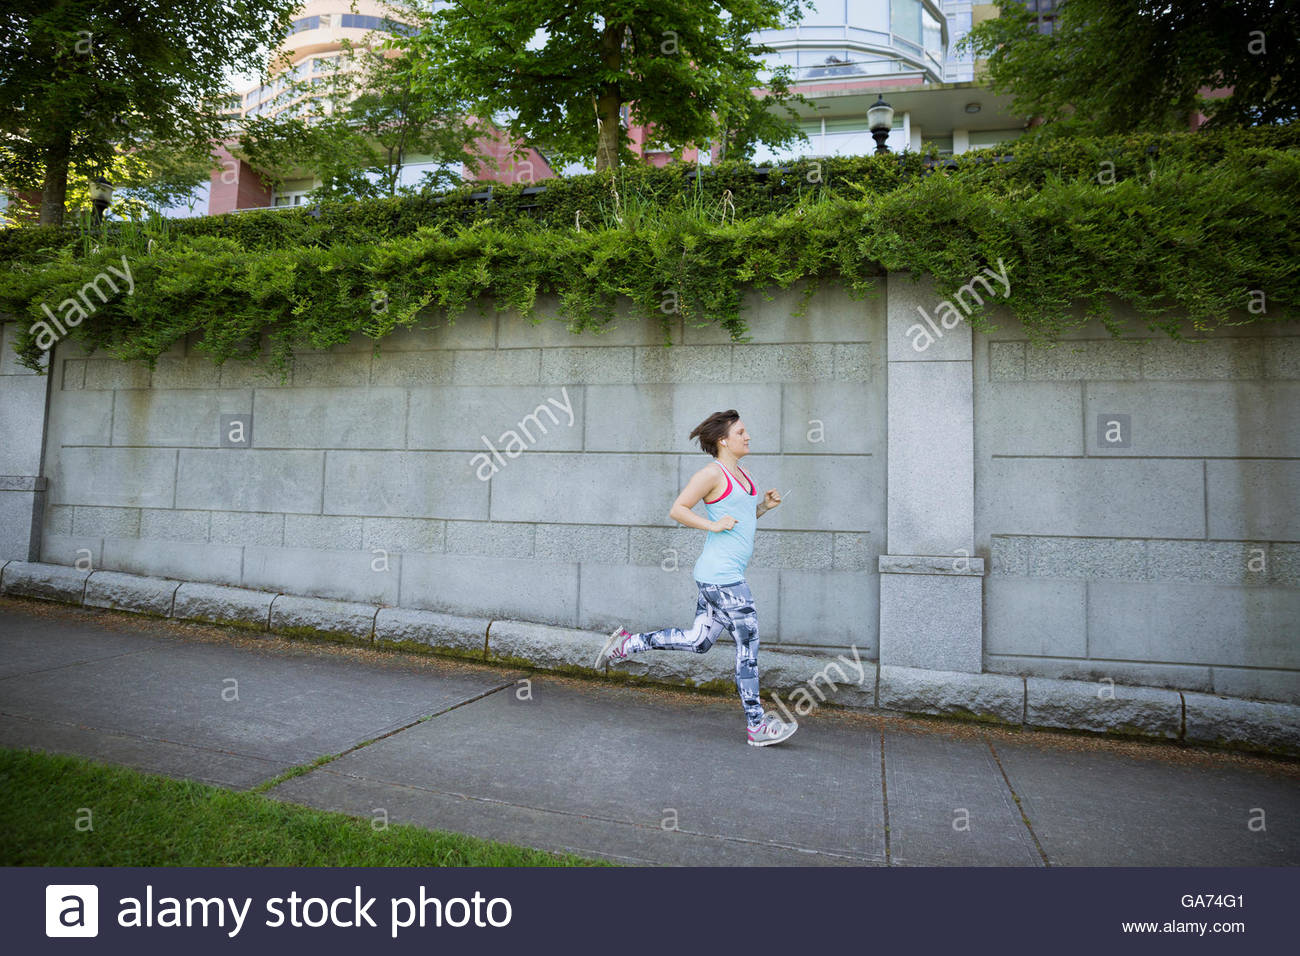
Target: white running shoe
615, 649
772, 730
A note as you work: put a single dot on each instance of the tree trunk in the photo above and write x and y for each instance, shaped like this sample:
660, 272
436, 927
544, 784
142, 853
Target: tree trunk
609, 103
54, 189
611, 131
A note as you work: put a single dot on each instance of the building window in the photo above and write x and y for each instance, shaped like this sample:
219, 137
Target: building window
826, 13
942, 143
359, 21
1044, 13
852, 124
294, 198
820, 64
868, 15
905, 22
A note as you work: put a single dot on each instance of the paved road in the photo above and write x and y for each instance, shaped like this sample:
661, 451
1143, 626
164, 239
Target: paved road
636, 775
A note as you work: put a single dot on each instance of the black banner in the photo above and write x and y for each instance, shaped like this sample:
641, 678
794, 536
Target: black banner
648, 910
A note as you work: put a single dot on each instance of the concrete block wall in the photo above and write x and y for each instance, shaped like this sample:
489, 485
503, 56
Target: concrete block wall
956, 509
1170, 558
362, 482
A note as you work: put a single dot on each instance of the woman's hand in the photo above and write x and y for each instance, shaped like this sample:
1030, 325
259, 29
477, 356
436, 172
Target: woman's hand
725, 523
771, 498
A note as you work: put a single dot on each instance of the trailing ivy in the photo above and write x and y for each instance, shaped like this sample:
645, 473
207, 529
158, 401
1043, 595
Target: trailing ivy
1181, 227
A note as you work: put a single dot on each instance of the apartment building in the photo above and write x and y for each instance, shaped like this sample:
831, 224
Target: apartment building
842, 56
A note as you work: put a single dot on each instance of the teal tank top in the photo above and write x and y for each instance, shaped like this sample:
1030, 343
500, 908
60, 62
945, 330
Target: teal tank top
726, 553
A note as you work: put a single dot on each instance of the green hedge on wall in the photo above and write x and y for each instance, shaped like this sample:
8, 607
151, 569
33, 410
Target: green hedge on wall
751, 191
1181, 226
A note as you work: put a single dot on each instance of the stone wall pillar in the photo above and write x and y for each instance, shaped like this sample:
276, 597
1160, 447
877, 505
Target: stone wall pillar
931, 585
23, 401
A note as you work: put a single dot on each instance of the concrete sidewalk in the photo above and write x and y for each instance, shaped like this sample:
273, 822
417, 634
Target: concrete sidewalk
637, 775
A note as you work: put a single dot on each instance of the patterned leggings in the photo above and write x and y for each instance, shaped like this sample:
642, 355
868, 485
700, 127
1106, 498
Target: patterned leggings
720, 606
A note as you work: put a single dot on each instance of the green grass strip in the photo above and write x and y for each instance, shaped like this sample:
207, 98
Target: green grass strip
143, 819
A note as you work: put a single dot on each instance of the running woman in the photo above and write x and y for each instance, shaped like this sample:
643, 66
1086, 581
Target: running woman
733, 507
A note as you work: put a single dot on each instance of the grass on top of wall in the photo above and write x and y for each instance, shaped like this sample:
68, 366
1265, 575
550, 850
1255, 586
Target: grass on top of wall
142, 819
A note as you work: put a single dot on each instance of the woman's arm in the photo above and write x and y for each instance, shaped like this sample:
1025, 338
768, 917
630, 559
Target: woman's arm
703, 482
770, 500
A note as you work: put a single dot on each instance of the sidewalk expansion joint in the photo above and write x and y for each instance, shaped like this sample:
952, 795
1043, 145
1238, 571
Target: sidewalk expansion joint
319, 762
1016, 797
884, 795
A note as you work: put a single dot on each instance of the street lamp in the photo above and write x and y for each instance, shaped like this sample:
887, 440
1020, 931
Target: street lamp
101, 197
880, 120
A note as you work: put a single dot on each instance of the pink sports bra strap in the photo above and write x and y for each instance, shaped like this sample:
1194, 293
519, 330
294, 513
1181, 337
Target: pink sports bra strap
727, 474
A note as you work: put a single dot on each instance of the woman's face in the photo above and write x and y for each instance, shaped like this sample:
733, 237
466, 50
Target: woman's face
738, 439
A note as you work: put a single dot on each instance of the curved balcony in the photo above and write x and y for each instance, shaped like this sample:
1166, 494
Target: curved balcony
856, 38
